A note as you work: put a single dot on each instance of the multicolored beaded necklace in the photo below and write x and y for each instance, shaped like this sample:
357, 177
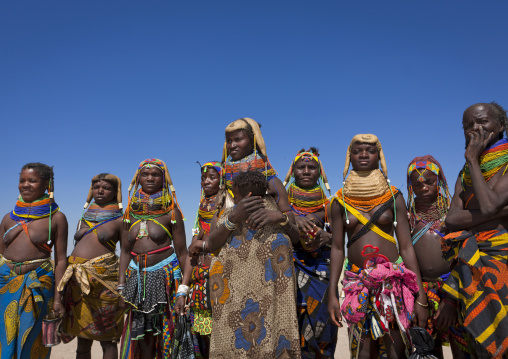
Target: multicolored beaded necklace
97, 215
304, 201
252, 162
24, 213
207, 208
491, 161
149, 206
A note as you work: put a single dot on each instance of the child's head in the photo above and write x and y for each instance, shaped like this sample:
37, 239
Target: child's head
249, 182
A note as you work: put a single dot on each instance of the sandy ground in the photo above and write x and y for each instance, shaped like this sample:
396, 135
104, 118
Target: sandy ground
65, 351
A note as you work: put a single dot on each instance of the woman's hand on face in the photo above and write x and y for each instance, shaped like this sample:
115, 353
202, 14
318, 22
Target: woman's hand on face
263, 217
478, 141
245, 208
180, 305
196, 247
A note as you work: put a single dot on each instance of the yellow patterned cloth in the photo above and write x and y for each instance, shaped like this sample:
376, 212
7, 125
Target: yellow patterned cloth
91, 299
202, 322
24, 301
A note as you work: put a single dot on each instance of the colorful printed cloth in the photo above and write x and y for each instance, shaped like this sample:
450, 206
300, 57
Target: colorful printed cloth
200, 300
151, 293
479, 281
317, 333
24, 301
252, 291
377, 297
201, 314
91, 299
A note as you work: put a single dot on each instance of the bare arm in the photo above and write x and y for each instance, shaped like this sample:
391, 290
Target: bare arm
491, 201
2, 233
188, 274
291, 229
62, 229
407, 252
336, 263
125, 252
179, 241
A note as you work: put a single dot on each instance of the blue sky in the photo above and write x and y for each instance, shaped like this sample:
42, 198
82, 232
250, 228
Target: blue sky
98, 86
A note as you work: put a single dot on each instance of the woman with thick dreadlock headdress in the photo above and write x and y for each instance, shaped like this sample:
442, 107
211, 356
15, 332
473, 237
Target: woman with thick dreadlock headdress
428, 202
155, 248
306, 183
253, 271
200, 259
91, 299
381, 279
244, 151
27, 275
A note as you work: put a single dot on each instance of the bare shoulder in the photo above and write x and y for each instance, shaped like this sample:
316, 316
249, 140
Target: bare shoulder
59, 218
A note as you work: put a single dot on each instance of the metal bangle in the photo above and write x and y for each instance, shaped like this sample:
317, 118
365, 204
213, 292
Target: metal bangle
286, 221
423, 305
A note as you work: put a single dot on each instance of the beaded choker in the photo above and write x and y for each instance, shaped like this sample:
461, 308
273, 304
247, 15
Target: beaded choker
147, 206
40, 208
428, 213
253, 162
207, 208
306, 200
96, 213
491, 161
24, 213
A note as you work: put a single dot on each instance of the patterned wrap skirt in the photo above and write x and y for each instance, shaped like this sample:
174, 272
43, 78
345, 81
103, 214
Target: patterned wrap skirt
479, 281
24, 300
151, 293
91, 299
317, 333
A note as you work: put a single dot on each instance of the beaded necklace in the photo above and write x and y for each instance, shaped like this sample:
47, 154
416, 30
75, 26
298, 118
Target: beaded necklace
306, 200
148, 206
24, 213
207, 208
252, 162
96, 213
491, 161
433, 212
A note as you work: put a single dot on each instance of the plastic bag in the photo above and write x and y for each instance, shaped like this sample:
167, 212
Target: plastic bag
422, 342
183, 346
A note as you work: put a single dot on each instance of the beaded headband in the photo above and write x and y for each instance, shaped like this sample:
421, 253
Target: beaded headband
216, 165
107, 177
425, 165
